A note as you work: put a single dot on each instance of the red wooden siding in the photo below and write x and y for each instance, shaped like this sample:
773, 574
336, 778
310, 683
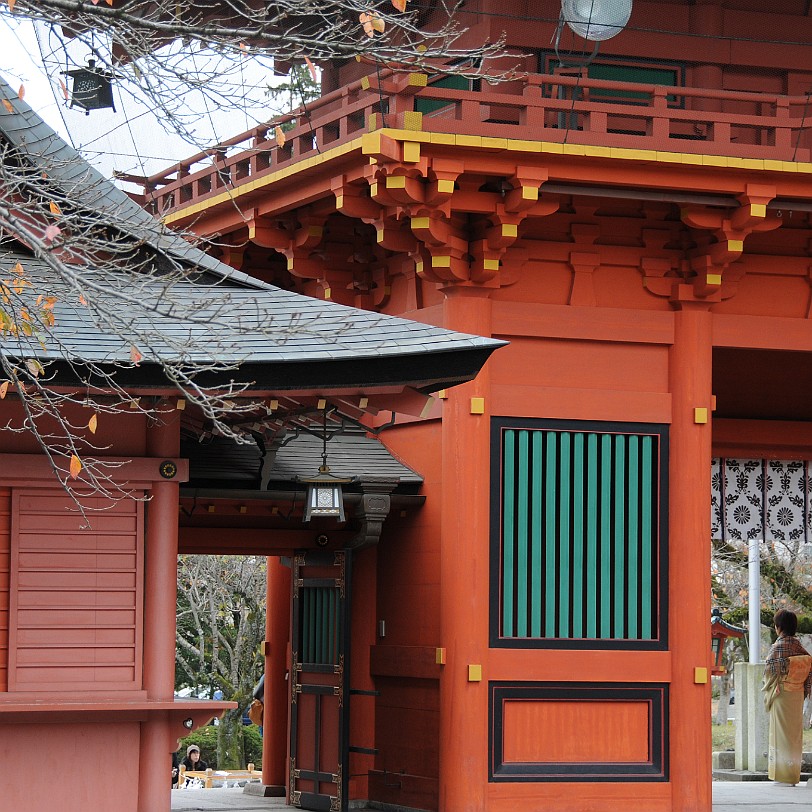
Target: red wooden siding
75, 610
5, 522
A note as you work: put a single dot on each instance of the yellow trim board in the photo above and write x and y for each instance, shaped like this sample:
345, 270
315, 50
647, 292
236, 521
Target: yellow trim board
507, 145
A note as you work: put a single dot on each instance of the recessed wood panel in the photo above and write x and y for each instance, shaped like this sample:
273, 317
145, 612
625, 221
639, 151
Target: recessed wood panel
5, 523
575, 731
74, 610
570, 731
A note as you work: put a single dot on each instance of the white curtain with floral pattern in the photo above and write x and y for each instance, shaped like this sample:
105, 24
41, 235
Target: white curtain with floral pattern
765, 499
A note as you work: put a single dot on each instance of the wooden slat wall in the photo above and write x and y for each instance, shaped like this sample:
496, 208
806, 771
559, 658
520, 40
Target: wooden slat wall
75, 610
5, 535
579, 535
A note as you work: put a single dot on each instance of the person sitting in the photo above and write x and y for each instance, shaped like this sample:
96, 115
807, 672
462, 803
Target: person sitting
193, 761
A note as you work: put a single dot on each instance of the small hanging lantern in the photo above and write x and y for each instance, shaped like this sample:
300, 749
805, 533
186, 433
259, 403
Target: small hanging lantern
720, 631
325, 496
91, 88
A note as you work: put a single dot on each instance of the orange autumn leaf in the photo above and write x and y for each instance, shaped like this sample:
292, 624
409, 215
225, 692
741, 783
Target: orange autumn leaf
7, 104
366, 23
135, 356
11, 4
75, 466
93, 423
64, 89
21, 92
82, 300
312, 68
3, 389
400, 5
280, 137
18, 269
55, 210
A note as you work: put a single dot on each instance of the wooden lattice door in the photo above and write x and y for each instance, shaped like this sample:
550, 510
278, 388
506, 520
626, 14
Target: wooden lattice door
319, 707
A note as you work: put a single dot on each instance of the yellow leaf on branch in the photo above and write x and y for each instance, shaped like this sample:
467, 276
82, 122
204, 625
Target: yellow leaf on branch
135, 355
64, 88
55, 210
93, 423
8, 105
11, 4
279, 134
75, 466
3, 389
400, 5
34, 367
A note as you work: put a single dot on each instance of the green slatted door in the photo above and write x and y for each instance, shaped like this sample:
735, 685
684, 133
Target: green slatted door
319, 711
579, 536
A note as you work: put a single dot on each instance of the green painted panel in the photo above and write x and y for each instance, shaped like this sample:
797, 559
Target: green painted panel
647, 537
521, 538
550, 535
591, 536
564, 535
578, 536
508, 533
633, 536
536, 484
621, 602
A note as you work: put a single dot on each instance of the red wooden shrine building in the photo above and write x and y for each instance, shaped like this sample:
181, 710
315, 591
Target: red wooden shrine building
638, 229
88, 601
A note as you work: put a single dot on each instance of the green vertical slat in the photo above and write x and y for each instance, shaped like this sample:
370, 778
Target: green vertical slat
536, 492
579, 466
314, 629
325, 624
318, 624
551, 537
620, 537
633, 544
564, 536
592, 535
521, 539
309, 623
646, 538
508, 533
333, 628
606, 535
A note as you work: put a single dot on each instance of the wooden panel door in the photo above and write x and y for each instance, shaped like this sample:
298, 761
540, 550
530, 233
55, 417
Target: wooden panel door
319, 693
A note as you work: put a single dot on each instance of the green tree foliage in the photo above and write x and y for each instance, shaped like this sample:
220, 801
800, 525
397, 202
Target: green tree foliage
220, 628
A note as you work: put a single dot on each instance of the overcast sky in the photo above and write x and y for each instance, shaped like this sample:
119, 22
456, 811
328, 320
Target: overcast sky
131, 139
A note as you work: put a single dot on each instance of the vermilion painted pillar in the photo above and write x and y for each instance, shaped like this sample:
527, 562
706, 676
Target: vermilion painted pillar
277, 705
363, 629
464, 571
690, 554
160, 606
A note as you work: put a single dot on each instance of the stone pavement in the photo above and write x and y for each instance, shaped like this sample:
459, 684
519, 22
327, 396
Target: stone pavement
727, 797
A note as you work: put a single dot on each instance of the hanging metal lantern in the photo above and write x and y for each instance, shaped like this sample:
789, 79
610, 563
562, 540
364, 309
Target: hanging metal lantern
91, 88
325, 495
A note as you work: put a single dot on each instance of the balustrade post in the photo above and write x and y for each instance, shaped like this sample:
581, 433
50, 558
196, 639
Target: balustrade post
783, 131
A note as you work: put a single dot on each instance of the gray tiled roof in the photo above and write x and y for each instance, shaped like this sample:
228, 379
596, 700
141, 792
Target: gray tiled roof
258, 323
222, 460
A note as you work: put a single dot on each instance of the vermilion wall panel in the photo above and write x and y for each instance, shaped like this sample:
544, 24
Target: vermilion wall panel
74, 611
584, 731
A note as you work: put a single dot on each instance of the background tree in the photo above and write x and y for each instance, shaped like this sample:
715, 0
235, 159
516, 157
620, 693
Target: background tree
220, 629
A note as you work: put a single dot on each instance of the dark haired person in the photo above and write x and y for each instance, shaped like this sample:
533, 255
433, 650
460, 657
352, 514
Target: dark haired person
787, 681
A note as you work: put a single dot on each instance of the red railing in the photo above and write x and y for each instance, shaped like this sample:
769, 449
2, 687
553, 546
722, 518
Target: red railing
561, 109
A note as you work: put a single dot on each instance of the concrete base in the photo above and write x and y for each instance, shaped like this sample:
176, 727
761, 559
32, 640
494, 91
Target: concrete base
724, 769
264, 790
752, 720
